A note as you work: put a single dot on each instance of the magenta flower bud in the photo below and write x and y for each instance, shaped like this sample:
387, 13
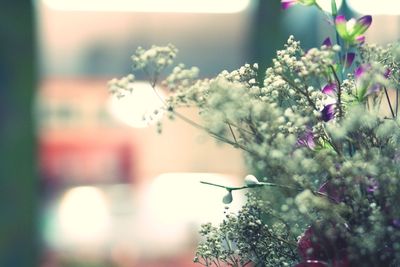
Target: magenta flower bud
285, 4
306, 140
361, 70
363, 23
351, 31
329, 89
328, 112
327, 42
360, 39
349, 59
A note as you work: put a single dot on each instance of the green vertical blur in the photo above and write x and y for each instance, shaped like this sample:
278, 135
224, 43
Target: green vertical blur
18, 183
267, 35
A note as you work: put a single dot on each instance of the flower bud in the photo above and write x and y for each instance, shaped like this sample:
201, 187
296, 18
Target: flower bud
228, 198
251, 180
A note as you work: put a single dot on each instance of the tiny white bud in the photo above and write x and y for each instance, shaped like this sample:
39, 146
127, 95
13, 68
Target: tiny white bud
251, 180
227, 199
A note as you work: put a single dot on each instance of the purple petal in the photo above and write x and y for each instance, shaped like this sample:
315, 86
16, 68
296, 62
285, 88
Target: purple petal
361, 26
340, 20
328, 112
374, 89
361, 70
312, 263
341, 27
365, 21
327, 42
396, 223
349, 59
306, 140
285, 4
307, 246
387, 73
329, 89
360, 39
373, 185
332, 191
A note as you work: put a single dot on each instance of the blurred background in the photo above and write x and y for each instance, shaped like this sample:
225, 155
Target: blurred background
82, 182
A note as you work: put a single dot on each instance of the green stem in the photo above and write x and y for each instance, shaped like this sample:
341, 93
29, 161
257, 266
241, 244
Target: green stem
261, 184
344, 61
339, 93
334, 8
201, 127
229, 188
397, 101
233, 134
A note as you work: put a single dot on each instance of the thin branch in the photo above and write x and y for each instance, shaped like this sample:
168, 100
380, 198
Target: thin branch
238, 127
397, 101
201, 127
261, 184
233, 134
215, 135
388, 100
229, 188
330, 141
304, 93
339, 92
247, 262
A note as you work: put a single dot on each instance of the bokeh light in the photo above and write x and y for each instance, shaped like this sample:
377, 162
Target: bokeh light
140, 108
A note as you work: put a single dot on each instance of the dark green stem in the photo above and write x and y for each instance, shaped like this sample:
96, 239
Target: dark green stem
388, 100
339, 93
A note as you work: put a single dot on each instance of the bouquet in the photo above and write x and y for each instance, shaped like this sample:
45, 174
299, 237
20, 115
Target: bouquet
321, 138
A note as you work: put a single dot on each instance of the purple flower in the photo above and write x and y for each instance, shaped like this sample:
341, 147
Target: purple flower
309, 248
360, 39
306, 140
364, 86
285, 4
329, 89
387, 73
327, 42
361, 70
348, 59
373, 185
351, 31
328, 112
332, 191
312, 251
396, 223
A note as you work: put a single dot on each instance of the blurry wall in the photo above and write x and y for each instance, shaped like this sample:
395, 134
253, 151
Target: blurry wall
18, 183
85, 43
85, 152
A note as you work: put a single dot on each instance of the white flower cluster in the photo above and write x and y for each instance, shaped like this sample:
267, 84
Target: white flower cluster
316, 62
181, 78
120, 87
246, 74
155, 59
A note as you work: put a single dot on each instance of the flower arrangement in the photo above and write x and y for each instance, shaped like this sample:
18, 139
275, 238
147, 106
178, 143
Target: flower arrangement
321, 136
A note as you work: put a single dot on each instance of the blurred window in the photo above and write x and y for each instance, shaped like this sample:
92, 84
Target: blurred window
373, 7
186, 6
